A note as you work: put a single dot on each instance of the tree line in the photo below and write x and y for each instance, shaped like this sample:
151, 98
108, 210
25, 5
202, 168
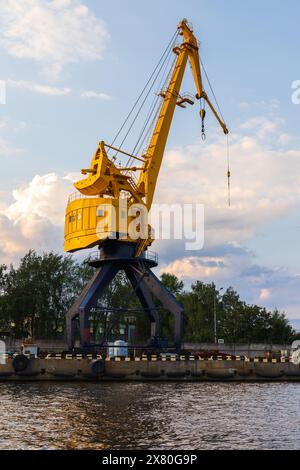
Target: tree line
35, 296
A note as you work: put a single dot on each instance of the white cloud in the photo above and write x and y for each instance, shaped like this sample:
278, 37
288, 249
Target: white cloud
44, 197
35, 219
190, 268
21, 126
38, 88
262, 125
263, 186
53, 33
95, 94
52, 91
264, 293
7, 149
284, 138
220, 264
266, 106
244, 104
272, 287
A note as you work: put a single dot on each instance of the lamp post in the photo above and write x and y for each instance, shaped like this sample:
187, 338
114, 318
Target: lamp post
215, 313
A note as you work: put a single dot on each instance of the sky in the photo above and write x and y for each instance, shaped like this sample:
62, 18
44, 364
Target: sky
72, 70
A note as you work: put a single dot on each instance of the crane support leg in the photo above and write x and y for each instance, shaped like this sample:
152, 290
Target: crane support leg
169, 302
142, 291
73, 312
114, 257
104, 278
86, 300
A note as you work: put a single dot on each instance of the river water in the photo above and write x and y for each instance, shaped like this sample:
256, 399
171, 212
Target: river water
150, 416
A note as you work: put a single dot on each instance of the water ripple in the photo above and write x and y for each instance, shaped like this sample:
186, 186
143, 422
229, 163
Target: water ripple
150, 416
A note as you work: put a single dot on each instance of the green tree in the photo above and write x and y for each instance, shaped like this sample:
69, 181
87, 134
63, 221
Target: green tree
172, 283
175, 287
232, 320
199, 312
281, 331
38, 293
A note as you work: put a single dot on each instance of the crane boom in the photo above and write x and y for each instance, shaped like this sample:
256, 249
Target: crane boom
189, 49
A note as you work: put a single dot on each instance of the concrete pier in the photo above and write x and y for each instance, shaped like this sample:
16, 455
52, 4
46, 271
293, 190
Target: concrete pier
176, 368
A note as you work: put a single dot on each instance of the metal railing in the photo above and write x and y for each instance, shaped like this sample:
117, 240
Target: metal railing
78, 195
98, 255
187, 95
150, 255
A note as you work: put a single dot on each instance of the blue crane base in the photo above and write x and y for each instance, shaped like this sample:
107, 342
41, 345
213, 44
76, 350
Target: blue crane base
115, 256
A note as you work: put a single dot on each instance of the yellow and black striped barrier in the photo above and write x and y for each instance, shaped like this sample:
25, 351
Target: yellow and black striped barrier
152, 358
182, 358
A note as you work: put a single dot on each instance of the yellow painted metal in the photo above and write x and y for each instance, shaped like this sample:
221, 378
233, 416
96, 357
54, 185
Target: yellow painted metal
106, 182
91, 220
105, 178
81, 222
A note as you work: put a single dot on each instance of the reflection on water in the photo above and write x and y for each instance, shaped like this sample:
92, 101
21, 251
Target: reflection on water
150, 416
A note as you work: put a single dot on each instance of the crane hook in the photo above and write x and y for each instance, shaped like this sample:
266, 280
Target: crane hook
228, 173
202, 117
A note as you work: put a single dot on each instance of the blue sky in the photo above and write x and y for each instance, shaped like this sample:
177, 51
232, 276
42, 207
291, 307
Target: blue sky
74, 68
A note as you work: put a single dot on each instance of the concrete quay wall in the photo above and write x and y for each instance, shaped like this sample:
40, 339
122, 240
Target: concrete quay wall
144, 369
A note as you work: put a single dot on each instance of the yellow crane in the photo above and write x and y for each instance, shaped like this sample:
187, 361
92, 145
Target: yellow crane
95, 213
111, 195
